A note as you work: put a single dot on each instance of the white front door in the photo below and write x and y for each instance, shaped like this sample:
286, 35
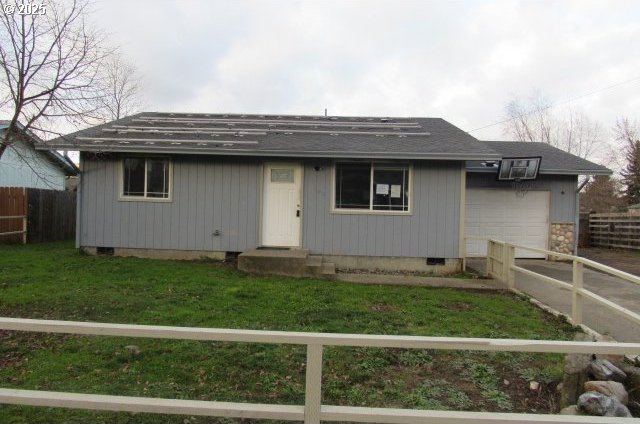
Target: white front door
281, 204
504, 215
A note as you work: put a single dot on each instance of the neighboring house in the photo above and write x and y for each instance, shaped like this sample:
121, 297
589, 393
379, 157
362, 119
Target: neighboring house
22, 165
360, 191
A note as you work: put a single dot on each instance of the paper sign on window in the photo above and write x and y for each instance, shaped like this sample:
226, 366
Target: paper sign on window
382, 189
396, 191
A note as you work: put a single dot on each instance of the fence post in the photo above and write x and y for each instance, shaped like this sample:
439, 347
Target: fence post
577, 299
488, 268
505, 264
510, 260
25, 209
24, 229
313, 384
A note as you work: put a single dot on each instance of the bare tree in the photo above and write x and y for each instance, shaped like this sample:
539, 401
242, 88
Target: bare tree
49, 64
569, 130
120, 89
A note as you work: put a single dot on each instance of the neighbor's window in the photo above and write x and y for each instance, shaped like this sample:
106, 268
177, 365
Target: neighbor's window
372, 186
145, 177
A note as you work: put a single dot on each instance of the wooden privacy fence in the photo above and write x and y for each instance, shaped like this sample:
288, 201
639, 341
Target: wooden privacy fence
35, 215
13, 214
620, 230
501, 266
312, 412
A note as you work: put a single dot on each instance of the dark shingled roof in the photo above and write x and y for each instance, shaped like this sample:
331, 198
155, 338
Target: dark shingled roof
310, 136
279, 135
554, 160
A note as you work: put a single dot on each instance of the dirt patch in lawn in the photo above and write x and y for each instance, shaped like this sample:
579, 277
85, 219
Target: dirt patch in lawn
382, 307
456, 381
9, 357
460, 306
626, 260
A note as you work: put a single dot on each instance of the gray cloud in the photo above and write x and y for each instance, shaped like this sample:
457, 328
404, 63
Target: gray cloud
458, 60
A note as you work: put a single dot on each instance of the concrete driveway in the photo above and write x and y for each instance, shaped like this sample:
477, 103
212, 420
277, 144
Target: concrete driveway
595, 316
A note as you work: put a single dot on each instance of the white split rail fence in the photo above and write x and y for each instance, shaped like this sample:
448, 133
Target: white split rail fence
312, 412
501, 265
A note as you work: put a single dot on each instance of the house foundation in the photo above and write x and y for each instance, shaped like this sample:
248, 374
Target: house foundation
186, 255
440, 266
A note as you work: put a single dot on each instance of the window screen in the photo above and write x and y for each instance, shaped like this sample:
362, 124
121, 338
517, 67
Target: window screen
158, 178
390, 189
377, 187
133, 177
145, 177
353, 185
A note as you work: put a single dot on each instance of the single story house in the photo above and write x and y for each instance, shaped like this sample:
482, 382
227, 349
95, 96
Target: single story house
22, 165
360, 192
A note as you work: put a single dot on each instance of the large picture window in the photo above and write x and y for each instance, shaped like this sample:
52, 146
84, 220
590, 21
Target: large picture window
372, 186
145, 178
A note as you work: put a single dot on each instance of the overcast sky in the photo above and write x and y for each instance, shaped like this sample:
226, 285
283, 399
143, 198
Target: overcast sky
461, 61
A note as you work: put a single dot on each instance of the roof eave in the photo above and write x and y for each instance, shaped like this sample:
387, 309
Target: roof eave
555, 171
286, 153
577, 172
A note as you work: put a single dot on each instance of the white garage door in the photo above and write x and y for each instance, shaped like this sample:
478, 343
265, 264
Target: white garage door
503, 215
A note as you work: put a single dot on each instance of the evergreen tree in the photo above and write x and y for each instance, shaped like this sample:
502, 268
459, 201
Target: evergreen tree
602, 194
627, 133
631, 173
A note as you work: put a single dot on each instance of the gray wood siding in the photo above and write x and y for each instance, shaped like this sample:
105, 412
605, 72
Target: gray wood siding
562, 189
431, 230
208, 194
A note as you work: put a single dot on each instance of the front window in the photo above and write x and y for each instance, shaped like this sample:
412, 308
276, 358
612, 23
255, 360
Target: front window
145, 178
372, 186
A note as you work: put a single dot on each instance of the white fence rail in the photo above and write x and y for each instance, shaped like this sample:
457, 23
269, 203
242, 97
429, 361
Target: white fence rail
501, 266
24, 227
312, 411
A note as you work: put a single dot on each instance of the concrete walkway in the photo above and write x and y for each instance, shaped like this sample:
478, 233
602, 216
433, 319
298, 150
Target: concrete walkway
595, 316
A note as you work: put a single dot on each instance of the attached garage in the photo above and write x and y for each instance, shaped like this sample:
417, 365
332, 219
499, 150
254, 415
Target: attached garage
542, 213
503, 214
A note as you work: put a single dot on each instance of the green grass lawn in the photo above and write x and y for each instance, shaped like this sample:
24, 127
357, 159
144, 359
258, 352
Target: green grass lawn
53, 281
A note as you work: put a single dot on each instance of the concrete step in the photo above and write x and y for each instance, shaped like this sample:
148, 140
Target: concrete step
289, 262
314, 261
328, 269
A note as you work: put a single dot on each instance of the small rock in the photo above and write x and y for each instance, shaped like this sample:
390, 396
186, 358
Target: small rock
595, 403
534, 385
605, 371
132, 349
570, 410
576, 370
608, 388
633, 381
559, 388
506, 382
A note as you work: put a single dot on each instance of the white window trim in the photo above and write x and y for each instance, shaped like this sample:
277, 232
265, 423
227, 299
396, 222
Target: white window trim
371, 211
123, 198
